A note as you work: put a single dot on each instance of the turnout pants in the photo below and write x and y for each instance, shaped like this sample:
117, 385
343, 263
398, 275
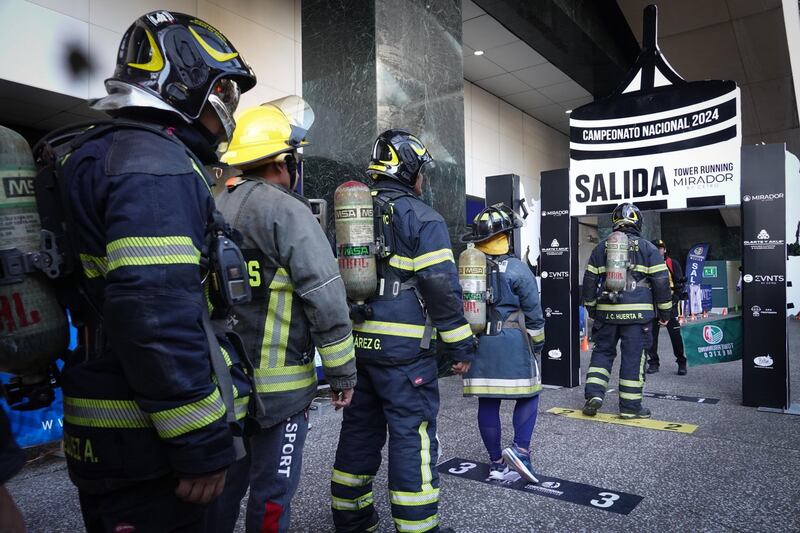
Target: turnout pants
674, 330
148, 506
272, 470
405, 400
635, 342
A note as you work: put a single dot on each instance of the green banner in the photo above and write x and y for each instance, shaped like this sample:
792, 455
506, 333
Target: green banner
713, 341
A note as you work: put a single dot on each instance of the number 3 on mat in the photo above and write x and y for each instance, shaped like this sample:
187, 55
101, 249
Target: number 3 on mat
607, 500
465, 467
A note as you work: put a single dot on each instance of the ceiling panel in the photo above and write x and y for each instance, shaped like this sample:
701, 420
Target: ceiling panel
478, 67
562, 92
705, 54
749, 118
515, 56
484, 33
676, 16
503, 85
774, 104
528, 100
541, 75
744, 8
573, 104
469, 10
764, 51
550, 114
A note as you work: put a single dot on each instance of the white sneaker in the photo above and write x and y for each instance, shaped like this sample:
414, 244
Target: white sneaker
498, 471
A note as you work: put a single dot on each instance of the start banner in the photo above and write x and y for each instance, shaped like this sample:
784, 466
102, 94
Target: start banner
713, 341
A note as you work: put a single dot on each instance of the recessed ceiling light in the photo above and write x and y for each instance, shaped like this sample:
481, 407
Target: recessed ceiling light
478, 52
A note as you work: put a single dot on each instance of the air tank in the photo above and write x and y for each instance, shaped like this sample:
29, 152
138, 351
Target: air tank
33, 326
355, 238
472, 277
616, 262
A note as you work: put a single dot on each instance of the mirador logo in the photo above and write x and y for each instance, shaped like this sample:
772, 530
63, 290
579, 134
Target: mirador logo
712, 334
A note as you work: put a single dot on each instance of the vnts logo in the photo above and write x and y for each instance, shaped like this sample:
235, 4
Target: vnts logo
555, 274
712, 334
747, 278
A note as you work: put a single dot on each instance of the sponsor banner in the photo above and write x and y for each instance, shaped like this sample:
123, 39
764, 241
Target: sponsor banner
561, 355
765, 372
679, 398
715, 341
612, 501
694, 262
660, 142
646, 423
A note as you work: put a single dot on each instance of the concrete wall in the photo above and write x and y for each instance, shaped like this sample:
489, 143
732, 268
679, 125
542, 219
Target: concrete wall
37, 35
501, 139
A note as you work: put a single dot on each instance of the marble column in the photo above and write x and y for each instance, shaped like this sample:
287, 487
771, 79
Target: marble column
373, 65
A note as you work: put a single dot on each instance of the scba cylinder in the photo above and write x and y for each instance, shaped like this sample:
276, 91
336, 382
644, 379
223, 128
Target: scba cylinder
616, 261
33, 326
472, 277
355, 238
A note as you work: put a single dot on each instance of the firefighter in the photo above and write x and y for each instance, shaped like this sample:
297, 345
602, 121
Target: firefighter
677, 285
397, 373
520, 339
299, 302
147, 434
625, 315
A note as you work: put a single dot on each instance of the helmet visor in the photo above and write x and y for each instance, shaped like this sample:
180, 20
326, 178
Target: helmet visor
228, 93
299, 115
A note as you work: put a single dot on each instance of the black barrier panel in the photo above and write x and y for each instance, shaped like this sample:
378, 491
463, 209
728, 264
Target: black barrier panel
561, 354
765, 365
552, 487
505, 189
679, 398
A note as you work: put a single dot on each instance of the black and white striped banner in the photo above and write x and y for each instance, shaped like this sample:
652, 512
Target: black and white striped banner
660, 142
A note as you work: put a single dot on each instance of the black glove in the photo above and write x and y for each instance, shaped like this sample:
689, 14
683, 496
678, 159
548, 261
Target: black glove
360, 312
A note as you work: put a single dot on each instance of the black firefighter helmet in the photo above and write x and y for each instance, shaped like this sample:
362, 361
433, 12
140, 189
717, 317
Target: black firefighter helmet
497, 218
399, 155
177, 63
626, 215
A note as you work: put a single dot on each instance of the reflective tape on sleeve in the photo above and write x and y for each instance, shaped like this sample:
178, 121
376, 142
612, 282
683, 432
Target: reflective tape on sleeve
148, 251
177, 421
285, 378
396, 329
430, 259
94, 266
456, 335
339, 353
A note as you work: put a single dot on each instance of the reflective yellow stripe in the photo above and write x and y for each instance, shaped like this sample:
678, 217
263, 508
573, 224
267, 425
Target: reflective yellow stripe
631, 383
473, 389
625, 307
285, 378
597, 381
418, 526
177, 421
278, 321
119, 414
630, 396
414, 498
240, 407
665, 306
599, 370
596, 270
423, 261
657, 268
456, 335
339, 353
200, 173
147, 251
356, 504
403, 263
425, 456
94, 266
396, 329
350, 480
433, 258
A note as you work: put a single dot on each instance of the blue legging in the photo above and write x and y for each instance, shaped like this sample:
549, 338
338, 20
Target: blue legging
489, 423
